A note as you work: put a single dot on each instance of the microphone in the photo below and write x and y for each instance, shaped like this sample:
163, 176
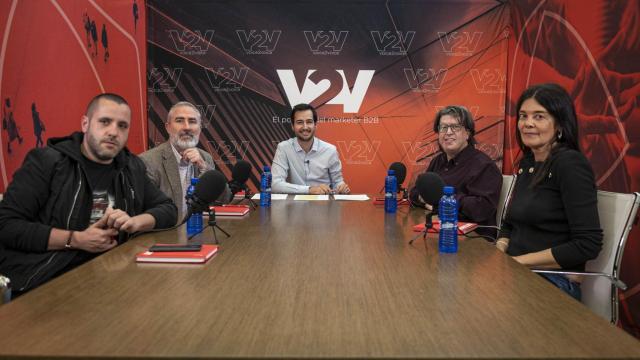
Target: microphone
209, 187
429, 187
401, 174
239, 176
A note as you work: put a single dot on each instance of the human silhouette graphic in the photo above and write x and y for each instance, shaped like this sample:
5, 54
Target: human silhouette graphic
94, 37
87, 27
9, 124
135, 16
105, 42
38, 125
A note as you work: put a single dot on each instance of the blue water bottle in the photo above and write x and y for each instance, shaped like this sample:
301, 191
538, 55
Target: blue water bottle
265, 187
448, 215
390, 194
194, 224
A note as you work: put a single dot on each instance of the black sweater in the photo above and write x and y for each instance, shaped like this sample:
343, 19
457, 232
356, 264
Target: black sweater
560, 213
477, 182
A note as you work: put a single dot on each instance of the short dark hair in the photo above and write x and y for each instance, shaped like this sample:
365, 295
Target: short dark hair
107, 96
461, 114
304, 107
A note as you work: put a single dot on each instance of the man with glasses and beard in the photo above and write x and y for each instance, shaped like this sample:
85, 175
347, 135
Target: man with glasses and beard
474, 175
79, 196
172, 164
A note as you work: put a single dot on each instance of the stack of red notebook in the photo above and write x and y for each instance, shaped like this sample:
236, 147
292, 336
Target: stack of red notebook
230, 210
194, 257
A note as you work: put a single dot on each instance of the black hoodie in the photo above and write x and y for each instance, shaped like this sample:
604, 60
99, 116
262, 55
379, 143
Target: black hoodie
50, 191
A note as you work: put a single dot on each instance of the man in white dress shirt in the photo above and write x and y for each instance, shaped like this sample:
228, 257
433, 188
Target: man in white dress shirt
305, 164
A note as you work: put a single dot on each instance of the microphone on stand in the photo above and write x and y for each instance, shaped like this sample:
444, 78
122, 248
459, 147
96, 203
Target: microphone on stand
401, 175
210, 186
429, 186
239, 176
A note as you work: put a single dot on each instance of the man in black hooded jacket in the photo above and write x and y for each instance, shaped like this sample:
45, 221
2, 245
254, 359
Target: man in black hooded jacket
76, 198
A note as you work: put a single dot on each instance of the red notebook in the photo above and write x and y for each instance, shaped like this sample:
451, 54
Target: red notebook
194, 257
231, 210
463, 227
380, 201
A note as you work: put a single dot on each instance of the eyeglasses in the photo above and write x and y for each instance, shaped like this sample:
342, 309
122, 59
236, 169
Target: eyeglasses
454, 127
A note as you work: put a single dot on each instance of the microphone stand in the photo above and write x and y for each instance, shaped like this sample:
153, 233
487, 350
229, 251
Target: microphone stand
248, 196
213, 224
428, 225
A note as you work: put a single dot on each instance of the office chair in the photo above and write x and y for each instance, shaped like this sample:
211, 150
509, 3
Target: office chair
508, 181
601, 279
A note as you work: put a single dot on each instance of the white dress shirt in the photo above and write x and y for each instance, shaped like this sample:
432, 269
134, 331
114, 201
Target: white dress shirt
294, 170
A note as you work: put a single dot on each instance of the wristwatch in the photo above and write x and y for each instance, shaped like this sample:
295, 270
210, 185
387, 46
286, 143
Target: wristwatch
68, 244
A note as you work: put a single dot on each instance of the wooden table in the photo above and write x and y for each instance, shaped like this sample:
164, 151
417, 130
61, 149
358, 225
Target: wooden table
309, 279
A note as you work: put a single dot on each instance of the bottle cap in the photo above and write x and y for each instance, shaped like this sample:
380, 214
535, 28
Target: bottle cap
391, 173
194, 181
266, 168
449, 190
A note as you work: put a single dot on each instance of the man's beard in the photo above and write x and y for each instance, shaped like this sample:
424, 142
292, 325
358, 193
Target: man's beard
98, 152
183, 144
309, 136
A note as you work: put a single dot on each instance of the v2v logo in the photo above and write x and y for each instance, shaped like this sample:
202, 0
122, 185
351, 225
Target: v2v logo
425, 80
257, 42
326, 42
163, 79
489, 81
459, 43
227, 79
351, 100
392, 42
191, 42
360, 152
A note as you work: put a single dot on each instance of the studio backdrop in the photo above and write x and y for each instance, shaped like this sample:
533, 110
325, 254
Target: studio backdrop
377, 71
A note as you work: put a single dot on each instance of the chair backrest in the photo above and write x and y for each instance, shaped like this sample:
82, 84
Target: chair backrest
617, 214
508, 181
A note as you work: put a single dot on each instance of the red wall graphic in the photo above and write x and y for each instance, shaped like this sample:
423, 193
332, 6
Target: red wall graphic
592, 49
53, 60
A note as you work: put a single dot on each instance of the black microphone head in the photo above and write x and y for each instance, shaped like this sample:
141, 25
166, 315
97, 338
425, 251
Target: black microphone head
241, 172
401, 172
429, 187
209, 188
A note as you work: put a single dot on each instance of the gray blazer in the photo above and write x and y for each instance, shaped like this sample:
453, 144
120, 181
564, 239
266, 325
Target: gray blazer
162, 169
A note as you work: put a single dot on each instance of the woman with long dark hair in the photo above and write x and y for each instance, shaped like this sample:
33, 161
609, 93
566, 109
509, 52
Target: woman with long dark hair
552, 218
